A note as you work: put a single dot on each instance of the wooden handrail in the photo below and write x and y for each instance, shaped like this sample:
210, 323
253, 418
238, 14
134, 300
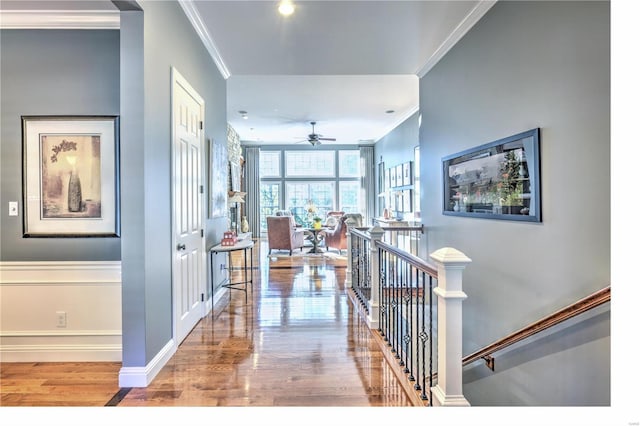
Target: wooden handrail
568, 312
412, 260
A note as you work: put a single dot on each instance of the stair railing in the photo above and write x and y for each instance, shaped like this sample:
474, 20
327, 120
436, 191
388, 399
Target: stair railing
583, 305
397, 294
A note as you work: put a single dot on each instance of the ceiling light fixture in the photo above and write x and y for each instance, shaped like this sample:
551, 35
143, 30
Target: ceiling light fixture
244, 114
389, 111
286, 8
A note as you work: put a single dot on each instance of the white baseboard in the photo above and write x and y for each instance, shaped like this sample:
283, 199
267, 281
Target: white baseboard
61, 353
140, 377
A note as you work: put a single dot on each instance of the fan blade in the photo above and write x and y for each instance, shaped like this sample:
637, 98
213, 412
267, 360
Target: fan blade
326, 139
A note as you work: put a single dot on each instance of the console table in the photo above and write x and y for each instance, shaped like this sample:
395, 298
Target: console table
247, 271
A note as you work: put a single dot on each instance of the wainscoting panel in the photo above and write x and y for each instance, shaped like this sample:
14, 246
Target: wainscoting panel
60, 311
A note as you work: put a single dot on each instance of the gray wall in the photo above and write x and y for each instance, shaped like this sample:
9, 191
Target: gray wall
42, 75
169, 40
527, 65
397, 146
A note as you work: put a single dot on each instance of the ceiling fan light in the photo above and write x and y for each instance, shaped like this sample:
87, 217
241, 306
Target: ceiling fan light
286, 7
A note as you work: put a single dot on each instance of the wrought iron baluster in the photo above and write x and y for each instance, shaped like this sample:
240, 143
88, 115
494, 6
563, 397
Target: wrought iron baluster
410, 322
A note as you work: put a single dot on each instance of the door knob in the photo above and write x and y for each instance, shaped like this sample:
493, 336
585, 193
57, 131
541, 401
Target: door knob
181, 247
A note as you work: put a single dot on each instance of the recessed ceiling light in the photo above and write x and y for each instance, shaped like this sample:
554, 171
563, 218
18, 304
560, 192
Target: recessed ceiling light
244, 114
389, 111
286, 8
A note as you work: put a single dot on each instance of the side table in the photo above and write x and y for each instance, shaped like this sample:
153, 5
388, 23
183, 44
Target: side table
244, 245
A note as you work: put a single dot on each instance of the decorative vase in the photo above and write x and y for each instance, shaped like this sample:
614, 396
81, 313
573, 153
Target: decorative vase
456, 207
74, 195
244, 227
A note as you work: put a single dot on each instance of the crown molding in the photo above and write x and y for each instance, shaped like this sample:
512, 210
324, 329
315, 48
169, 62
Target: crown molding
198, 24
463, 27
57, 19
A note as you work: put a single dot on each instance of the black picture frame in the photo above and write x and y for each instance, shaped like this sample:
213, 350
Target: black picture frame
71, 176
497, 180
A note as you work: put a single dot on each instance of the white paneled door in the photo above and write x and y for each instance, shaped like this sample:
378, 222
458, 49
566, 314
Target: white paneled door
189, 261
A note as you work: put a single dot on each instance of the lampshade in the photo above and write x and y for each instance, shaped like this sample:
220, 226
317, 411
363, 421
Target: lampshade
236, 199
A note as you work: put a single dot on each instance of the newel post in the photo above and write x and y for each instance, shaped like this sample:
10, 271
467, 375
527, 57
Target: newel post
376, 234
451, 263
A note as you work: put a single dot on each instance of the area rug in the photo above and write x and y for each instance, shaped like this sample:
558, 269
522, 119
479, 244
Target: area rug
331, 254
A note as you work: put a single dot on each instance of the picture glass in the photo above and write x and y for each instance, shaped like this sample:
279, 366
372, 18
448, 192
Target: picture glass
499, 180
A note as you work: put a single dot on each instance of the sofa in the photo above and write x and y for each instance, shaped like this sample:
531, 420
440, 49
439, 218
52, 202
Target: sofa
337, 237
282, 234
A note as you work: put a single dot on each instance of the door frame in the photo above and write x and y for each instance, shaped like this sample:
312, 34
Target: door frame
178, 79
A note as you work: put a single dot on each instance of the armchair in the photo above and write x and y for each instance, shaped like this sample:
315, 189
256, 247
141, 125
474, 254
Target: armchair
283, 235
337, 237
332, 219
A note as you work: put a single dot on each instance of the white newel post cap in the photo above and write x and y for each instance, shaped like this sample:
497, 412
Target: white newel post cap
450, 257
450, 262
376, 232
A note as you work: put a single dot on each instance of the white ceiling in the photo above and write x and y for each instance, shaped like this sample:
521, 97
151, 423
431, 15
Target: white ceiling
343, 64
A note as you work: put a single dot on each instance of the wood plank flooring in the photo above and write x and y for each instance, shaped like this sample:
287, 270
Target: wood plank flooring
297, 342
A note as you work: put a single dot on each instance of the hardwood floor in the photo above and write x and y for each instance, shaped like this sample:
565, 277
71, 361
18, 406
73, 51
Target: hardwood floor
297, 342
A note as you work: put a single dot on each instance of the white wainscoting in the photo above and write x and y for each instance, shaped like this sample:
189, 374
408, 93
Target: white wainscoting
33, 293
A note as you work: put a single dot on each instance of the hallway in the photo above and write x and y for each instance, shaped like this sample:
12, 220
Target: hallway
298, 342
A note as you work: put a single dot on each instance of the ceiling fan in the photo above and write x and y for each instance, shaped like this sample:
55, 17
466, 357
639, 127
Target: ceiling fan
314, 138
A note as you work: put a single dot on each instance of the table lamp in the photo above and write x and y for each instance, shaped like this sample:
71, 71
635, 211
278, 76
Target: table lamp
236, 198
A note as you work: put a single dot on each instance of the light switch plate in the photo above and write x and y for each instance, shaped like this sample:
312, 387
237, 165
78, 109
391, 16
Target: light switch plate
13, 208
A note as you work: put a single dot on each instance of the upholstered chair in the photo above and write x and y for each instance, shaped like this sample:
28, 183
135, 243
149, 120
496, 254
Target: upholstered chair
337, 237
332, 219
283, 235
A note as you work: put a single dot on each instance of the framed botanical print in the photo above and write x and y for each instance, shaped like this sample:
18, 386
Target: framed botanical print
71, 176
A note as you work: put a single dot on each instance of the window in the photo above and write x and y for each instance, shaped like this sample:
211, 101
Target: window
349, 196
269, 201
349, 163
269, 164
307, 164
299, 194
329, 178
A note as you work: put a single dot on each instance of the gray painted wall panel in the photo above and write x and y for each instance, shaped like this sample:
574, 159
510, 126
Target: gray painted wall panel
526, 65
42, 75
170, 40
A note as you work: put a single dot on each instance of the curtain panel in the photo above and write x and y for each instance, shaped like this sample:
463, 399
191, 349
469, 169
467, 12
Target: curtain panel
252, 188
367, 183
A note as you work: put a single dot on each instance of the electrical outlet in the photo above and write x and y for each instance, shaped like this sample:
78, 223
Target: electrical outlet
61, 319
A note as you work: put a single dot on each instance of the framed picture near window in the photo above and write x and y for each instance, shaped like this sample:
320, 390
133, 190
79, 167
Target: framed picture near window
406, 173
71, 178
387, 179
406, 201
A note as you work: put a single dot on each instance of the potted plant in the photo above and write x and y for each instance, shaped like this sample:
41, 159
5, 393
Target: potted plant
317, 222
